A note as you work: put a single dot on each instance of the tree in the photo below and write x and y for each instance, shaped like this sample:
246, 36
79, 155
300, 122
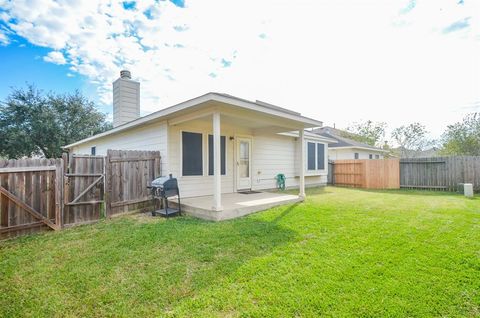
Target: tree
411, 138
368, 132
32, 123
463, 138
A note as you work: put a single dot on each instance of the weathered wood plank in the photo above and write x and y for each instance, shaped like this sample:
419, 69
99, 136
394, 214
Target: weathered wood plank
28, 208
132, 201
440, 172
84, 203
87, 189
121, 159
22, 169
21, 227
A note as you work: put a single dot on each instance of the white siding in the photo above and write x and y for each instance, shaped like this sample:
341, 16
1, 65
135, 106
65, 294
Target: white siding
148, 137
271, 154
348, 154
274, 154
201, 185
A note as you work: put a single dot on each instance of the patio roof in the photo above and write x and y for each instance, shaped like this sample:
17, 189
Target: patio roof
203, 102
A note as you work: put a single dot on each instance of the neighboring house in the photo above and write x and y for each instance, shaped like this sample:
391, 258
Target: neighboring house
346, 148
256, 141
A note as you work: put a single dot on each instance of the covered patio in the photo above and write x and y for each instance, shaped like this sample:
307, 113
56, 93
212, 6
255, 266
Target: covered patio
228, 145
235, 204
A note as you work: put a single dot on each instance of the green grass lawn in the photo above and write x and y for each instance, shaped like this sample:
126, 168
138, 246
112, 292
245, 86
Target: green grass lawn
343, 252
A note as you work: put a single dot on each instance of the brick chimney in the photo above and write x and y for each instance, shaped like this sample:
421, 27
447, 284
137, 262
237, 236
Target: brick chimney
126, 99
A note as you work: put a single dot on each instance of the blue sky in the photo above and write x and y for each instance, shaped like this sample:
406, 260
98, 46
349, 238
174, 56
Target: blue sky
340, 62
23, 63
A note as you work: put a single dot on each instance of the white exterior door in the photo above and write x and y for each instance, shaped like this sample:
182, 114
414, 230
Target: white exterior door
244, 163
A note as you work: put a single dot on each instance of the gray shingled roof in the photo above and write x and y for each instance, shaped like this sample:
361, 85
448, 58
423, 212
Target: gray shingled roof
337, 134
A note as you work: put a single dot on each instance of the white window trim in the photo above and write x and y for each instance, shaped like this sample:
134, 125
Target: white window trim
226, 155
205, 159
316, 171
203, 153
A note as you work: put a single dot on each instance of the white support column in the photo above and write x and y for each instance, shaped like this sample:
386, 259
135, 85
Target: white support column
217, 181
301, 134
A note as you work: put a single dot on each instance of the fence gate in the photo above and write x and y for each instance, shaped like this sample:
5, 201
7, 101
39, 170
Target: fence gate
84, 192
128, 175
30, 196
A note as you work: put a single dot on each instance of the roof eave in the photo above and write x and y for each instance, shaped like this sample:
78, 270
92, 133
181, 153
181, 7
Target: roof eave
363, 148
232, 100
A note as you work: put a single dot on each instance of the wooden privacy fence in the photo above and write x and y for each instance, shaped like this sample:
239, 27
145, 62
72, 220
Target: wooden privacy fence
37, 194
30, 196
440, 173
128, 174
368, 174
84, 184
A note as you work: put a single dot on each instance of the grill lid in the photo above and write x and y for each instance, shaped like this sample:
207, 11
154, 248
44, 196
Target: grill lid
159, 181
162, 181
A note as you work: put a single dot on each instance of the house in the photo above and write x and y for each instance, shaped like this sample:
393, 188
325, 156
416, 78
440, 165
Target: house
216, 144
346, 148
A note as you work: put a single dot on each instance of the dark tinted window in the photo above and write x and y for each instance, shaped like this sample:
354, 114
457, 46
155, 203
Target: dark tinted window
311, 156
192, 164
320, 156
93, 151
222, 155
356, 155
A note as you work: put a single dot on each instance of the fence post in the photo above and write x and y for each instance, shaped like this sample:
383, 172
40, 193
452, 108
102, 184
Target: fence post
59, 199
108, 184
158, 171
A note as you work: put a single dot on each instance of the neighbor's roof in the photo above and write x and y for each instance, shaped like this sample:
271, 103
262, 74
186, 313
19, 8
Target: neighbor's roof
212, 96
343, 142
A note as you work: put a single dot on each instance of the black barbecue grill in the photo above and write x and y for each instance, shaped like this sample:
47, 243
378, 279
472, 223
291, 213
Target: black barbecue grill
163, 188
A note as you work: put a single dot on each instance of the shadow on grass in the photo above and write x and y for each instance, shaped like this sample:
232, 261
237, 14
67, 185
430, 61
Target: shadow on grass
285, 212
129, 266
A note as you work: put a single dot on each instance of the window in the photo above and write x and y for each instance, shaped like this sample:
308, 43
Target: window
370, 156
377, 156
222, 155
93, 151
311, 156
356, 155
315, 156
320, 156
192, 153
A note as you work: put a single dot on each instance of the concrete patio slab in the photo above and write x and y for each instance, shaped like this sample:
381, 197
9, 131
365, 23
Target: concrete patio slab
234, 204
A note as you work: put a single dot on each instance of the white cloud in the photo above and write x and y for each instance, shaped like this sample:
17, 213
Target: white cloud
338, 61
4, 40
55, 57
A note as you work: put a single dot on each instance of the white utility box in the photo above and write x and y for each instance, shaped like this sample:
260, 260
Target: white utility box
468, 190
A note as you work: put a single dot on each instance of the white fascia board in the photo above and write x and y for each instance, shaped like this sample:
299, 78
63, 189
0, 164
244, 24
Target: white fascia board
310, 136
145, 119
